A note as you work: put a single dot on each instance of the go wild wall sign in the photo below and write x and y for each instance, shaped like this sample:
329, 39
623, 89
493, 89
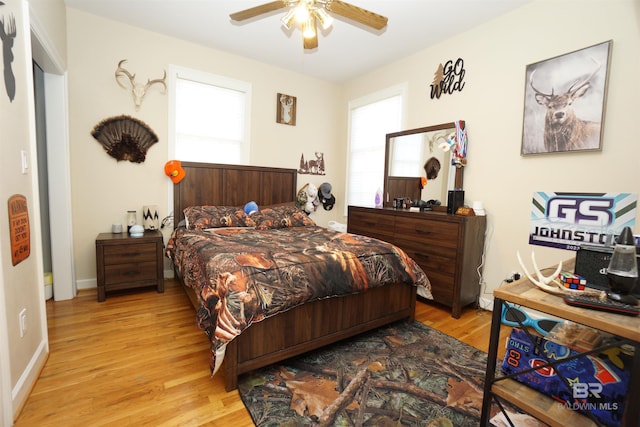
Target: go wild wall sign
448, 78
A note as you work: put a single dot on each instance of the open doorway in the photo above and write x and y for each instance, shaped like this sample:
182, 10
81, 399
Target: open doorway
43, 177
56, 168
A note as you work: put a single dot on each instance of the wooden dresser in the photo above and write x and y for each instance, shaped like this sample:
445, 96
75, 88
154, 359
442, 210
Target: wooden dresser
448, 247
125, 262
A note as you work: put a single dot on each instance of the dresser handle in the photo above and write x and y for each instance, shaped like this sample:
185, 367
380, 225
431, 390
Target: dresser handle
419, 231
131, 254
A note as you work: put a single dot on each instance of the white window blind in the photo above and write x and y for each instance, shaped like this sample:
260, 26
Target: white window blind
370, 121
211, 118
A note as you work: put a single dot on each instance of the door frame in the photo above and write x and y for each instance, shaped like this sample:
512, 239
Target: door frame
58, 161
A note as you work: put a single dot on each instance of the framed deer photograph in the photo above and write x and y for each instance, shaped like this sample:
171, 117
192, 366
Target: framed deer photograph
286, 109
564, 101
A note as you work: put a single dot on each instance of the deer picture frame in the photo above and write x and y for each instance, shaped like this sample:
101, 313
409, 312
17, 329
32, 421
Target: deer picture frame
286, 109
564, 100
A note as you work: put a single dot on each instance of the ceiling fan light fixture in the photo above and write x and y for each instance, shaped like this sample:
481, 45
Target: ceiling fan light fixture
302, 12
308, 13
324, 18
287, 19
309, 28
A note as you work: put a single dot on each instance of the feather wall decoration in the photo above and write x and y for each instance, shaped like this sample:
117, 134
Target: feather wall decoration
125, 138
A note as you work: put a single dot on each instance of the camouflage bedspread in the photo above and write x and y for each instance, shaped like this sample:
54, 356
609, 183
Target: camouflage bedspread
243, 275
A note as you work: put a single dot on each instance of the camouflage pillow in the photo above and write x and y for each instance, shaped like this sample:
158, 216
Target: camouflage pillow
281, 217
203, 217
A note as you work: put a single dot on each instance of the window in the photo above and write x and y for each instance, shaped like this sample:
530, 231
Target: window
209, 117
370, 119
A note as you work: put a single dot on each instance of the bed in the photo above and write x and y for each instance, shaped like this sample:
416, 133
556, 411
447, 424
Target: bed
252, 278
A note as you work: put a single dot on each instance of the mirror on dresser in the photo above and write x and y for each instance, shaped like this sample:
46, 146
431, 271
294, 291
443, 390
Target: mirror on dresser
406, 154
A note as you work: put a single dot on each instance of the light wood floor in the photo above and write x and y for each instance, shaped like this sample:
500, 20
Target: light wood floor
139, 359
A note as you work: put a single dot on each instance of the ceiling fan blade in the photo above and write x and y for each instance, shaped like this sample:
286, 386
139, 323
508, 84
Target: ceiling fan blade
258, 10
358, 14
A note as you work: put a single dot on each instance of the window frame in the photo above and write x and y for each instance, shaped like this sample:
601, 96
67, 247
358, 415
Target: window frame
400, 90
177, 72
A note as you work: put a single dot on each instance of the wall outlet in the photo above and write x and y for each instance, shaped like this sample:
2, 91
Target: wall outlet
23, 322
512, 277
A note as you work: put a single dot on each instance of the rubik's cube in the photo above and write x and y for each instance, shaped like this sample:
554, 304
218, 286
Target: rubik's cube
572, 281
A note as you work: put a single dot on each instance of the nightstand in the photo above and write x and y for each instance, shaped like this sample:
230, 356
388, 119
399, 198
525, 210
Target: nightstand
125, 262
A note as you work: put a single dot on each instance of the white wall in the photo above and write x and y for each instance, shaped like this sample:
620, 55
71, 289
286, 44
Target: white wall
495, 56
21, 285
103, 189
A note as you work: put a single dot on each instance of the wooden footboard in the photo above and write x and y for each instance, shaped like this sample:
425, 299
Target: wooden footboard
313, 325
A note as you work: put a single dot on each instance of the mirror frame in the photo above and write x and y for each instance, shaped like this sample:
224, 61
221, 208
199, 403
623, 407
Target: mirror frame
458, 170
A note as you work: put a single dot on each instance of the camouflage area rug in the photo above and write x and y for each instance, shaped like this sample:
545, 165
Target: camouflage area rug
402, 374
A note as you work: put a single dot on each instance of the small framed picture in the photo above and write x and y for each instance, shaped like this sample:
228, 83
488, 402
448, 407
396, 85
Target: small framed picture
564, 100
286, 109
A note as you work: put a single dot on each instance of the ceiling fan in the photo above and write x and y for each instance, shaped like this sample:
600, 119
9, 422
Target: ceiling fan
308, 13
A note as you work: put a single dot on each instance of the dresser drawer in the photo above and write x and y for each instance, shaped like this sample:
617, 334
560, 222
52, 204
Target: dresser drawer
131, 253
442, 289
436, 233
430, 259
132, 272
372, 225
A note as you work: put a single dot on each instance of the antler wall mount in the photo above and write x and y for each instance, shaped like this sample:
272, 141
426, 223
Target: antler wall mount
308, 13
138, 90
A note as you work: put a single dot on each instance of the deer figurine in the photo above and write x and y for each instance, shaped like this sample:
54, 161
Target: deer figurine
138, 90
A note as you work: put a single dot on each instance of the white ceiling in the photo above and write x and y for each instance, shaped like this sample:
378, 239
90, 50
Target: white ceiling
346, 51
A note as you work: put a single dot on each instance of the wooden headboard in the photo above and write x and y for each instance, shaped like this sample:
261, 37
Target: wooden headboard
232, 185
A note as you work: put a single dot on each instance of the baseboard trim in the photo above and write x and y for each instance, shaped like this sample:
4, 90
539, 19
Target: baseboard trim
87, 284
27, 380
93, 283
486, 303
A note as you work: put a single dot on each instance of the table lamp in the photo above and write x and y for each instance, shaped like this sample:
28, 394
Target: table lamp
623, 269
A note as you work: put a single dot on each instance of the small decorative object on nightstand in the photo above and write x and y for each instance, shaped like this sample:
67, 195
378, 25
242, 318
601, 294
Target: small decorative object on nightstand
126, 262
136, 230
132, 218
150, 217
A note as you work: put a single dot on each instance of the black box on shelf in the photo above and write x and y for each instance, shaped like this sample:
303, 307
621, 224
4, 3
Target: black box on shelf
592, 263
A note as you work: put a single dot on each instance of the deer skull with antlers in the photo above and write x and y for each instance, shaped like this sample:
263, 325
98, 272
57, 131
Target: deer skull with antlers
138, 90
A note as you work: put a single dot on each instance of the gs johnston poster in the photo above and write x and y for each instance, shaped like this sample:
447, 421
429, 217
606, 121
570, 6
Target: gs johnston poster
569, 220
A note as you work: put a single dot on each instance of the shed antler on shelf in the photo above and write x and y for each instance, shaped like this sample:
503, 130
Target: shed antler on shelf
551, 284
